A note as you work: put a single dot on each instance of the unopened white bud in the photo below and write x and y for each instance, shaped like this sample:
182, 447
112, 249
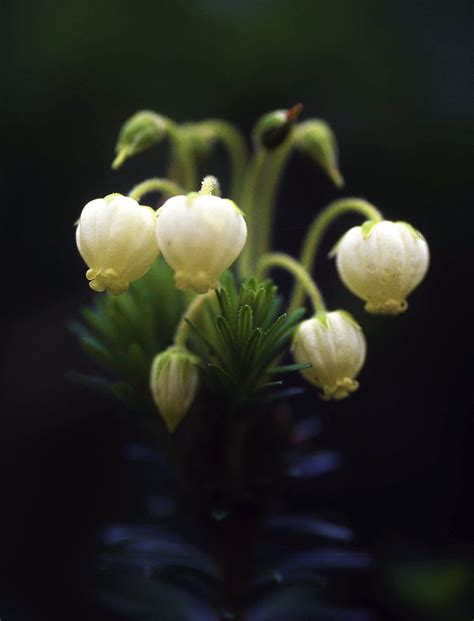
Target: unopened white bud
382, 262
334, 344
116, 238
174, 382
200, 236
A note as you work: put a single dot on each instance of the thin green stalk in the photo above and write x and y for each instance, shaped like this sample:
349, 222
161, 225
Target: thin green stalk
301, 275
236, 147
271, 177
258, 201
319, 227
156, 184
189, 314
184, 162
248, 206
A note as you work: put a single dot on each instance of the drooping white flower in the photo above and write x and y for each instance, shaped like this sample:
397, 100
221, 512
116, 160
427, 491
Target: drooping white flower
116, 238
200, 236
382, 262
334, 344
174, 382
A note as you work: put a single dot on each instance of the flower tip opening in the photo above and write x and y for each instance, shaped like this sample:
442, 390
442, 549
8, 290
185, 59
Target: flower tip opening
293, 113
336, 177
120, 158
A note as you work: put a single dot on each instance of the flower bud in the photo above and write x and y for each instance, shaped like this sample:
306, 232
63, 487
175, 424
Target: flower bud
200, 236
174, 382
316, 139
334, 344
140, 132
116, 238
382, 262
272, 129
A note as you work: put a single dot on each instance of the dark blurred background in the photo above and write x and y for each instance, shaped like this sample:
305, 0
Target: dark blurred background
393, 78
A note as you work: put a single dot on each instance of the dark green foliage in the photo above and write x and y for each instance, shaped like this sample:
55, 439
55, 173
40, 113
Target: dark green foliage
242, 338
123, 333
226, 470
239, 336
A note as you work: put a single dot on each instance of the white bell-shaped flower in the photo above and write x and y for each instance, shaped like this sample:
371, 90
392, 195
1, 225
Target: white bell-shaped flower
174, 382
334, 344
116, 238
382, 262
200, 236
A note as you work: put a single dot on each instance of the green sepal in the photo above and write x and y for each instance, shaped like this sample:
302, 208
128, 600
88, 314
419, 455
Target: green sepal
416, 234
322, 317
367, 227
332, 253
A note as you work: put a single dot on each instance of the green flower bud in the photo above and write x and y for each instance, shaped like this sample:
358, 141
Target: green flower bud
174, 382
334, 344
140, 132
316, 139
273, 128
382, 262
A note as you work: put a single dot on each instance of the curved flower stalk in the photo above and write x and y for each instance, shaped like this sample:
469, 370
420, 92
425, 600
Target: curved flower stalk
277, 135
204, 136
197, 341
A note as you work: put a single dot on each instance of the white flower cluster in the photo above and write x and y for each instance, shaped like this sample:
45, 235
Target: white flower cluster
200, 236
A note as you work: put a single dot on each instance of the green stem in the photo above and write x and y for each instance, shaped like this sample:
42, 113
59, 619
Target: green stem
185, 165
301, 275
156, 184
248, 205
318, 228
236, 147
189, 314
258, 199
272, 171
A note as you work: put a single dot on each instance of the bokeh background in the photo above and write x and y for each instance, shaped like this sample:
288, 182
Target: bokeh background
393, 78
